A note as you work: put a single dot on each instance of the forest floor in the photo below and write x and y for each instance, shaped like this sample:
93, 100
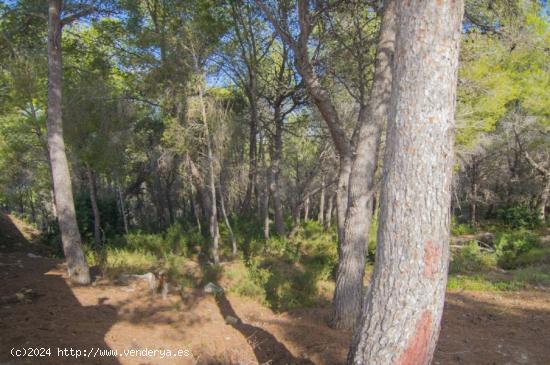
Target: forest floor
478, 327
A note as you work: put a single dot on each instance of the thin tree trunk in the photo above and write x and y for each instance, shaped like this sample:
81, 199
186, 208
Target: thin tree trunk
348, 294
196, 210
31, 204
252, 153
214, 226
342, 191
306, 209
265, 206
233, 240
473, 202
328, 216
274, 184
95, 209
70, 235
123, 211
169, 204
403, 307
321, 215
543, 201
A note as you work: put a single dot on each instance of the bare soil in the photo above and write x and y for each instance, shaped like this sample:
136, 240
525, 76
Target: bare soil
478, 327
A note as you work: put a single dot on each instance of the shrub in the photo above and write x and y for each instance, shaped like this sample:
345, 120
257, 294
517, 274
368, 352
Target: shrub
470, 259
461, 229
535, 256
518, 216
534, 275
511, 245
152, 243
116, 261
248, 281
179, 239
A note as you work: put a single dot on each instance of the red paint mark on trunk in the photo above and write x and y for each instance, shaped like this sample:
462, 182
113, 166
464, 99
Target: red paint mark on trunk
432, 259
417, 350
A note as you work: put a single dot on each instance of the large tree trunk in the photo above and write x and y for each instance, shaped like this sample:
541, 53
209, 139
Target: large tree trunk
342, 191
274, 185
348, 294
70, 235
403, 307
92, 186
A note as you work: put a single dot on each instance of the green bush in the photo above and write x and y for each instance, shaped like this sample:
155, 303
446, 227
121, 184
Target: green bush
518, 216
461, 229
178, 239
512, 245
535, 256
470, 259
152, 243
116, 261
534, 275
248, 281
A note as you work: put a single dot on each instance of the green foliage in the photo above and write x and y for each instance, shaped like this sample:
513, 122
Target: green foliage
481, 283
498, 73
470, 259
511, 245
459, 229
518, 216
288, 273
533, 275
249, 281
114, 261
534, 256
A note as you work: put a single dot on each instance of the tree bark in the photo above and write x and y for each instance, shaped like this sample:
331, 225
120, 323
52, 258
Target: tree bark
196, 208
543, 201
70, 235
214, 225
473, 202
321, 215
545, 174
226, 219
348, 294
252, 152
92, 186
265, 209
274, 184
403, 307
123, 211
328, 216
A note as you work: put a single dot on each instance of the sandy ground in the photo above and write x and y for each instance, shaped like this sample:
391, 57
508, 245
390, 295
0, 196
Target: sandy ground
478, 327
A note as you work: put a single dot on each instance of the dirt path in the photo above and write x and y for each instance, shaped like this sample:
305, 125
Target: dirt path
478, 328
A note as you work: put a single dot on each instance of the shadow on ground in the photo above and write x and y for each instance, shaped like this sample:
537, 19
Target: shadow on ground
49, 316
266, 346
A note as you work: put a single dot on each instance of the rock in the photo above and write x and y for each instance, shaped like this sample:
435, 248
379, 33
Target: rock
149, 277
33, 256
231, 320
212, 288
